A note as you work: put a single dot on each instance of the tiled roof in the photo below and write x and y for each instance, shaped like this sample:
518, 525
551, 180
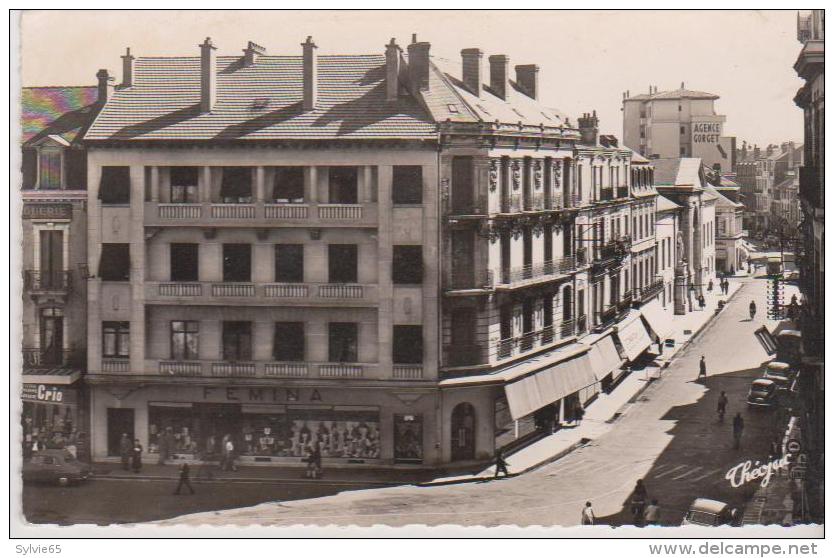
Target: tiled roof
676, 94
260, 102
665, 204
685, 171
518, 107
58, 111
721, 198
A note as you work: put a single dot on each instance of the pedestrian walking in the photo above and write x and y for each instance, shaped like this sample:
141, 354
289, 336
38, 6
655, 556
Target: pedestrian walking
722, 406
588, 517
185, 479
738, 428
709, 286
229, 455
314, 462
578, 413
136, 460
638, 501
125, 451
702, 369
500, 464
652, 514
701, 302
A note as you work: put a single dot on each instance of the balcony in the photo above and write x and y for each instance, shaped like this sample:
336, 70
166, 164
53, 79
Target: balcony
408, 371
271, 369
535, 273
645, 294
609, 254
528, 342
534, 202
466, 355
811, 186
464, 278
606, 318
581, 324
606, 194
624, 304
259, 294
261, 214
622, 192
57, 282
36, 358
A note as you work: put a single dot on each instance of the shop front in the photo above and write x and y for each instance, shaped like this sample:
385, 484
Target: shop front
268, 424
606, 362
52, 416
658, 320
633, 337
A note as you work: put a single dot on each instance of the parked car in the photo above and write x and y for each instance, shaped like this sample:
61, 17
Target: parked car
790, 276
779, 373
55, 465
762, 393
711, 513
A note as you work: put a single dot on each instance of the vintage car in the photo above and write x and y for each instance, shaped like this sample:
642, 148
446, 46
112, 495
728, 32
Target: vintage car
762, 393
779, 373
55, 465
710, 513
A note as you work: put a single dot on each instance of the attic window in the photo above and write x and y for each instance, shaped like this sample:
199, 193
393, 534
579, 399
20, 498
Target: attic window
260, 103
452, 107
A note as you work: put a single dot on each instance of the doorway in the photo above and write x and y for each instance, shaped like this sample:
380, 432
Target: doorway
51, 337
119, 421
463, 432
52, 259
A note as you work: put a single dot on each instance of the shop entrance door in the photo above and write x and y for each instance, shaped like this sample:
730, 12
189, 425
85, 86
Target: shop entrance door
119, 421
463, 432
215, 422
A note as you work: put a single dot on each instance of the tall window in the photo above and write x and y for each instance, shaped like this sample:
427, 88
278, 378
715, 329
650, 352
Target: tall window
408, 344
114, 264
288, 344
344, 185
237, 262
184, 185
114, 188
49, 168
288, 186
343, 342
407, 265
289, 263
236, 185
407, 186
342, 263
185, 262
237, 341
184, 340
115, 339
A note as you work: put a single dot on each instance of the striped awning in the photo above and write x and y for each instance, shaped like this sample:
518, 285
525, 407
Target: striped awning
549, 385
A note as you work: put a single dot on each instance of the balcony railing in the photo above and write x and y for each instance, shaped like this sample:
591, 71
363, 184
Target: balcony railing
261, 293
232, 211
233, 289
180, 289
466, 278
340, 371
268, 369
51, 281
607, 317
581, 324
286, 211
408, 371
233, 369
287, 290
265, 213
610, 252
554, 201
286, 369
466, 355
648, 292
180, 368
340, 212
567, 328
538, 271
340, 291
811, 186
180, 210
624, 304
34, 357
115, 365
530, 341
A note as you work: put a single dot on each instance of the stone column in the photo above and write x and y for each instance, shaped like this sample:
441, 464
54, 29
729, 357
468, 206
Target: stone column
311, 184
259, 185
385, 289
155, 184
137, 269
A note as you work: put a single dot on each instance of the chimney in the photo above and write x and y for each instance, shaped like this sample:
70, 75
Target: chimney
392, 70
251, 53
498, 64
589, 128
527, 77
756, 152
682, 86
311, 74
418, 65
472, 59
103, 86
208, 75
127, 69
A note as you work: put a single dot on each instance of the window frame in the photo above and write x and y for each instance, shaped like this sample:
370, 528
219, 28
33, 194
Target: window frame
331, 270
412, 273
119, 332
179, 258
108, 250
230, 268
407, 344
50, 150
188, 330
298, 275
280, 331
242, 348
337, 348
403, 192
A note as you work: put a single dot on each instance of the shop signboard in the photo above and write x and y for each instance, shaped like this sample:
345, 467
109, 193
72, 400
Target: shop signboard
47, 211
49, 394
706, 132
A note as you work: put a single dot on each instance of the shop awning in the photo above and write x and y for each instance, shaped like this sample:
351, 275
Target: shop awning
549, 385
766, 339
658, 319
634, 338
51, 376
604, 357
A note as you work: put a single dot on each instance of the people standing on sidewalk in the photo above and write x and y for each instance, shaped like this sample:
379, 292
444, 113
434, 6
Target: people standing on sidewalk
500, 464
738, 428
185, 479
588, 517
314, 461
136, 460
638, 501
722, 406
702, 369
229, 454
652, 514
709, 286
578, 413
125, 451
701, 302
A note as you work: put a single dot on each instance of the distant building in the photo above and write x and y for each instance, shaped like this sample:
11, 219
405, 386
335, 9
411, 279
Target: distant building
54, 235
679, 123
758, 172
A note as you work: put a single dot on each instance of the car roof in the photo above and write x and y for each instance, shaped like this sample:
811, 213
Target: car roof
789, 333
762, 382
775, 365
707, 505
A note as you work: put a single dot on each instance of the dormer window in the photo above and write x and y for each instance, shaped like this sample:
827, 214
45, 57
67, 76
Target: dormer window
50, 165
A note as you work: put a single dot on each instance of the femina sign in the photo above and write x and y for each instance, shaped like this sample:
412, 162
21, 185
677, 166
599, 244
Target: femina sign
260, 395
706, 132
42, 393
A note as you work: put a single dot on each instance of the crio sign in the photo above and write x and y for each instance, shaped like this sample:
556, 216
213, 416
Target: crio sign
42, 393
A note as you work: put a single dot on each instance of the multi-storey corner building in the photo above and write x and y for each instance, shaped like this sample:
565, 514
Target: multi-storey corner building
763, 175
678, 123
54, 248
381, 253
810, 65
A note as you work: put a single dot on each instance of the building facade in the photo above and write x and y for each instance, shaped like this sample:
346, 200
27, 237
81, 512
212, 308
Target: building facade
54, 248
811, 98
678, 123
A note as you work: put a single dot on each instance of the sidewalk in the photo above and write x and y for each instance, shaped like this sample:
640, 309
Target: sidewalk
602, 413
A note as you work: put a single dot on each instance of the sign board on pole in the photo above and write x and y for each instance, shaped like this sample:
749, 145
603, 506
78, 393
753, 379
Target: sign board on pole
793, 446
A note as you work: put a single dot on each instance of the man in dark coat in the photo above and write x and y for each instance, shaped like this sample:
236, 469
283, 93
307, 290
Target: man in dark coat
125, 451
185, 479
738, 428
500, 464
137, 456
702, 369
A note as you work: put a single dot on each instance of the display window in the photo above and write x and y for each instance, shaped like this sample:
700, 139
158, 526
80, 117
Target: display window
408, 438
171, 429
